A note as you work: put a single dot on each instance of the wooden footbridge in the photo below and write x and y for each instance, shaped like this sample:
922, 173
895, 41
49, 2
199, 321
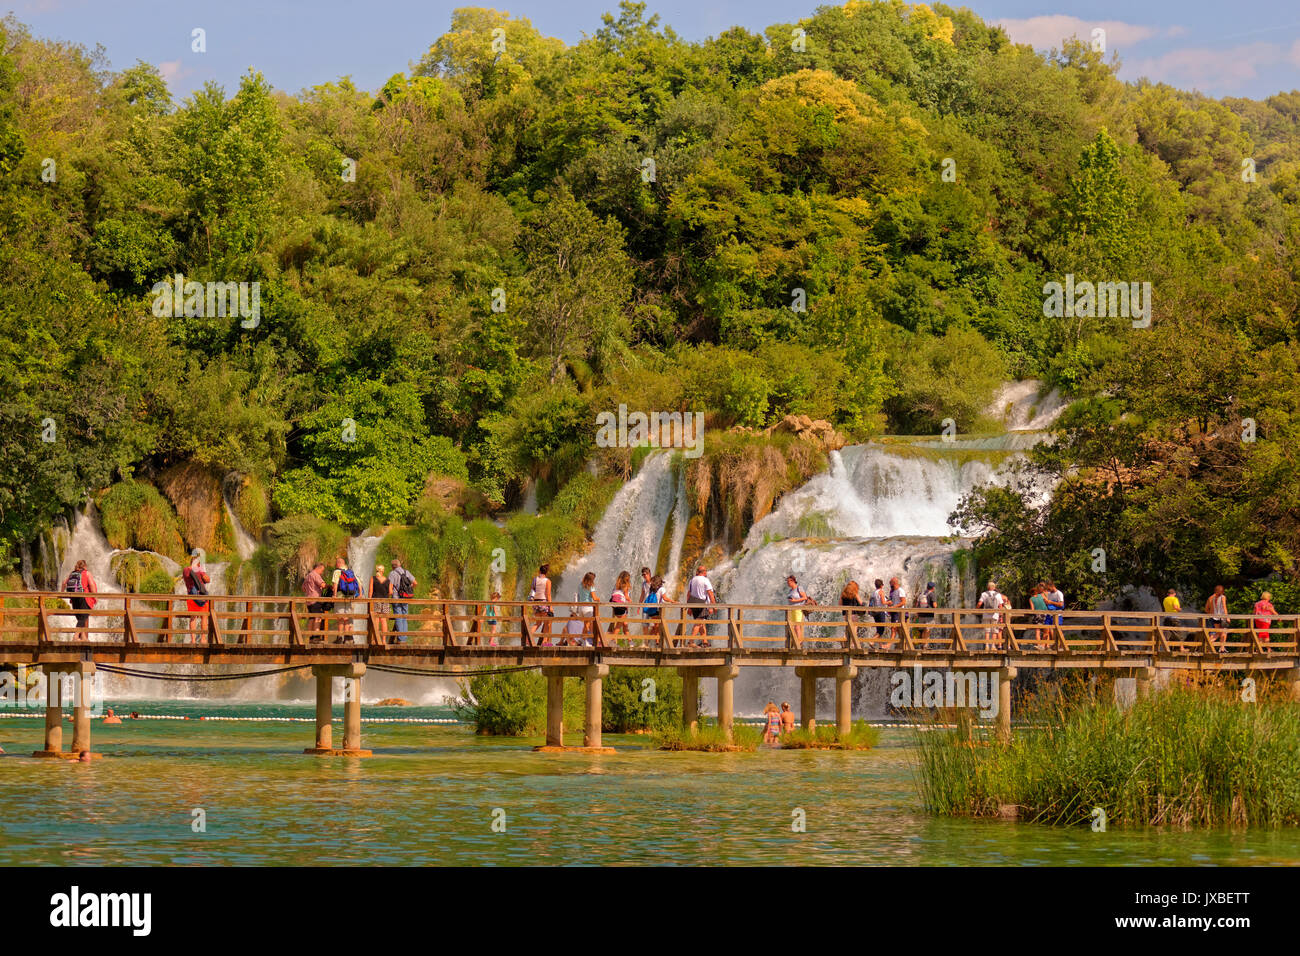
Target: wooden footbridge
340, 639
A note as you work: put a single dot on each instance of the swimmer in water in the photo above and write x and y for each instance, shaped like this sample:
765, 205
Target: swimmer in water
772, 728
787, 717
111, 718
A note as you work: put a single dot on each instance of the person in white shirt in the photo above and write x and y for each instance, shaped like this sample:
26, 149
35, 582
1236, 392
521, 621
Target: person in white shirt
991, 600
700, 592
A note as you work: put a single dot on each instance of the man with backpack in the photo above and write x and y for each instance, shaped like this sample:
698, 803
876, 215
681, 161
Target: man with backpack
347, 587
403, 583
81, 586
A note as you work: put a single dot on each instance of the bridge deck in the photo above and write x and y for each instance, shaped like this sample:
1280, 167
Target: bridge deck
41, 627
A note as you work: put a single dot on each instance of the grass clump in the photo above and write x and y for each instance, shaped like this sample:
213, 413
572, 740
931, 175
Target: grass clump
1183, 757
710, 738
861, 736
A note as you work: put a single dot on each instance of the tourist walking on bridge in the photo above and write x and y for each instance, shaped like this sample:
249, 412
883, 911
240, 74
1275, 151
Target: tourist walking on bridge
540, 595
878, 599
586, 598
313, 588
797, 598
381, 592
1263, 611
700, 592
654, 600
897, 599
849, 598
82, 586
403, 589
1172, 606
620, 602
196, 582
991, 600
1216, 606
929, 599
347, 587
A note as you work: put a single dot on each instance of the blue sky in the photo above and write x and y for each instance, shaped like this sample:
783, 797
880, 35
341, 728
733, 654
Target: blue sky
1220, 48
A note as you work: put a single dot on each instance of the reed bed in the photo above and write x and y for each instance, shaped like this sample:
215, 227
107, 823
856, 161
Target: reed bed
1183, 757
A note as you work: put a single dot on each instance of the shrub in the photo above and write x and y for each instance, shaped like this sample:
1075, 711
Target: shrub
625, 710
513, 704
134, 514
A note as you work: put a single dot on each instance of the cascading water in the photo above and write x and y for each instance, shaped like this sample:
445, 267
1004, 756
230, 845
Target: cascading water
631, 533
879, 511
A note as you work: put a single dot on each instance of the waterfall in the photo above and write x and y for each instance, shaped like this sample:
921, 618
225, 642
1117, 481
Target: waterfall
361, 558
629, 535
245, 545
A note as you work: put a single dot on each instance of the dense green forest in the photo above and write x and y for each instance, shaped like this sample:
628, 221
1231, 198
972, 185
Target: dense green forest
457, 272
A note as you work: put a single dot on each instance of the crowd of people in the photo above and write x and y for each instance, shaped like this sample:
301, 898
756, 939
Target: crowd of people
637, 611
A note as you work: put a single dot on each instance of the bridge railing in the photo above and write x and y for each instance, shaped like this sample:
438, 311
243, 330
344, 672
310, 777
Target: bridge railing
132, 619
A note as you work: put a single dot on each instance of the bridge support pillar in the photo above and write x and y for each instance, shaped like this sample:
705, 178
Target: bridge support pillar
554, 709
1293, 678
594, 677
1144, 676
844, 699
351, 674
690, 699
1005, 676
69, 679
726, 697
807, 698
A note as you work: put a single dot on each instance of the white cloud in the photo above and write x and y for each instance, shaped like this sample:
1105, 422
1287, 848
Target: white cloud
1050, 31
1223, 71
172, 71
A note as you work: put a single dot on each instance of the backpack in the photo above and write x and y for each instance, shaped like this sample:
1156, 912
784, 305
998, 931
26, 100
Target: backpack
652, 597
74, 583
348, 586
403, 587
193, 581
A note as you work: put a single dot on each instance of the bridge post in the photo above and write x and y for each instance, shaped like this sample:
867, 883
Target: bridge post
690, 699
807, 697
844, 698
352, 708
594, 678
324, 710
1293, 678
80, 709
1005, 676
351, 674
58, 677
726, 676
554, 708
1144, 676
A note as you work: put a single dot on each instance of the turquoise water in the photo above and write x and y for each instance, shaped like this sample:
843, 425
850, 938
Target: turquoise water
429, 793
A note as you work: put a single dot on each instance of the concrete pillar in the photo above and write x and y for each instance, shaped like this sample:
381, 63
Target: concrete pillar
351, 674
1005, 676
690, 699
1144, 676
64, 680
352, 713
844, 699
726, 697
1293, 677
594, 678
807, 698
324, 708
53, 714
554, 709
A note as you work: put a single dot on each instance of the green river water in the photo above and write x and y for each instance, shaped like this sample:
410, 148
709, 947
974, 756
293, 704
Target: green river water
429, 793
